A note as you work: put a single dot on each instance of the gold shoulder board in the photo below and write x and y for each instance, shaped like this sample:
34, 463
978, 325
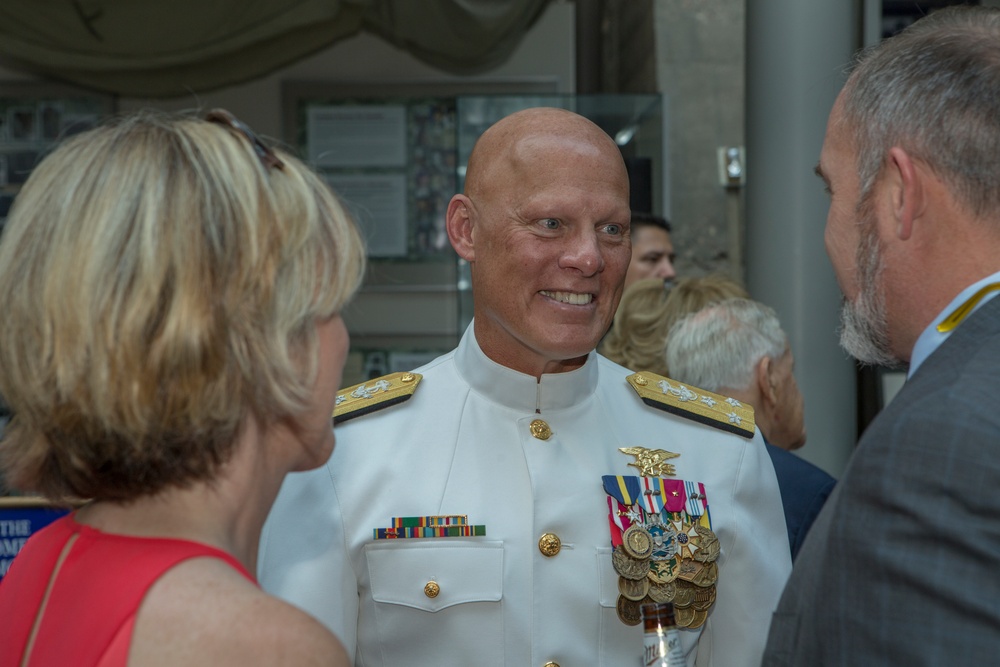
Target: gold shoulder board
374, 395
702, 406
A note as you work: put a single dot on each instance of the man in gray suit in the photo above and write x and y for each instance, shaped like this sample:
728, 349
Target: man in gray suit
903, 564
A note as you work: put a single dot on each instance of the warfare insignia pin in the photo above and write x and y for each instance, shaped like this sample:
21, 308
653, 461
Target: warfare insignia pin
651, 462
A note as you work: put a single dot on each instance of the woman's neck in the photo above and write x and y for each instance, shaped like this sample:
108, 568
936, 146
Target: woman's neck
227, 512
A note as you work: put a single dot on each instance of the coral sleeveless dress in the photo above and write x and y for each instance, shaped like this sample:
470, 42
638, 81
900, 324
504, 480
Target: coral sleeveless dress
94, 597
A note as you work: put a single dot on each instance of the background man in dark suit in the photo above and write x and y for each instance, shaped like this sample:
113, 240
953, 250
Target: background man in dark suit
737, 348
903, 564
652, 249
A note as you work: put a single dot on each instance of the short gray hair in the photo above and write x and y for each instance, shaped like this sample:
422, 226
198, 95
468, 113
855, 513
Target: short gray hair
932, 90
720, 345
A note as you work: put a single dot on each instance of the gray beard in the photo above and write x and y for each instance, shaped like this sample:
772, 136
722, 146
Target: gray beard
864, 331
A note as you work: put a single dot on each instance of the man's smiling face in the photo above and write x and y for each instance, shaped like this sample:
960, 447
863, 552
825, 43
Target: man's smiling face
550, 229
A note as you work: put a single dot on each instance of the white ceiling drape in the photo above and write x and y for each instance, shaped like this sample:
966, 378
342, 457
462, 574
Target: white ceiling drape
164, 48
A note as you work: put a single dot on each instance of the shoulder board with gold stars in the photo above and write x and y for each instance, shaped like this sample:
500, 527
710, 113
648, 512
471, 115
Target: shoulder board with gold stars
701, 406
374, 395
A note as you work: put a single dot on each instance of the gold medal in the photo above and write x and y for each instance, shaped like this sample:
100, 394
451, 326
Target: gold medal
629, 611
663, 592
697, 619
708, 544
706, 576
663, 571
690, 569
684, 595
704, 598
637, 542
627, 567
633, 589
684, 616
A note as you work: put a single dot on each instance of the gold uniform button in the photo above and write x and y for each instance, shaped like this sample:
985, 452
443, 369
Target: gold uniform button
551, 664
431, 589
549, 544
540, 429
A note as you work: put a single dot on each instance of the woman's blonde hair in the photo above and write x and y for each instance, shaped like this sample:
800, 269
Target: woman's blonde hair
638, 337
161, 283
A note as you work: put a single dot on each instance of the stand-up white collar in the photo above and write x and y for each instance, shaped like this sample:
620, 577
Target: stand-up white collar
518, 391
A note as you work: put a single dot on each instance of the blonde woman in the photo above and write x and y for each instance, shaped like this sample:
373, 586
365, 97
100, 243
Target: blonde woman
638, 337
170, 348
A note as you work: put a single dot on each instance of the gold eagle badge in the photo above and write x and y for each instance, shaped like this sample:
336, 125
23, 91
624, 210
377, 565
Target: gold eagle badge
651, 462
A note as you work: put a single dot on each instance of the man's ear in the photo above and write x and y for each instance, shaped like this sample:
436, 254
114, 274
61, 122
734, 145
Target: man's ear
766, 382
459, 226
906, 185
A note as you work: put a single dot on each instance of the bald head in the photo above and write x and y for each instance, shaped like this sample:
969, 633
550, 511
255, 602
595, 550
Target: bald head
526, 140
544, 226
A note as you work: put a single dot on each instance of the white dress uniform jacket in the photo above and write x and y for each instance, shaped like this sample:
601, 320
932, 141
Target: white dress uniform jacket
462, 445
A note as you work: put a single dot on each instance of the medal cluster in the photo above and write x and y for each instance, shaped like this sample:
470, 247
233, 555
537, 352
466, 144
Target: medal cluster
667, 558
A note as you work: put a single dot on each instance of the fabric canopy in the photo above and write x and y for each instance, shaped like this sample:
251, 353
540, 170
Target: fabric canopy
165, 48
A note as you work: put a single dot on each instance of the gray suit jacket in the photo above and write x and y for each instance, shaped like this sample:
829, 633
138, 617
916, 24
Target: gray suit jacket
902, 566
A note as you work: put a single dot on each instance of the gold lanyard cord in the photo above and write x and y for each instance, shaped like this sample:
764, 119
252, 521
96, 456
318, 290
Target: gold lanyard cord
949, 323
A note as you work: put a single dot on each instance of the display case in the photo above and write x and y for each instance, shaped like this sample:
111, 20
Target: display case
34, 117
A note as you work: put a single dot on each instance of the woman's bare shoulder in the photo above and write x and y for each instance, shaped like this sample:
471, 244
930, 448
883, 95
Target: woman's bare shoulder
203, 612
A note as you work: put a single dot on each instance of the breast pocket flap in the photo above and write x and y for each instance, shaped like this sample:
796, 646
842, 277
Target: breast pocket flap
432, 576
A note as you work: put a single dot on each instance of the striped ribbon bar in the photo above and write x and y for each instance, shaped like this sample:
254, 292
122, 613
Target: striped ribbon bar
624, 488
651, 496
435, 520
429, 531
697, 503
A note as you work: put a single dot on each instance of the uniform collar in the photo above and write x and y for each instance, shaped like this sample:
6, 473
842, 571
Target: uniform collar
522, 392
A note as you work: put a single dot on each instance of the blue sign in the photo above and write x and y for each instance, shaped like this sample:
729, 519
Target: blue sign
18, 522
